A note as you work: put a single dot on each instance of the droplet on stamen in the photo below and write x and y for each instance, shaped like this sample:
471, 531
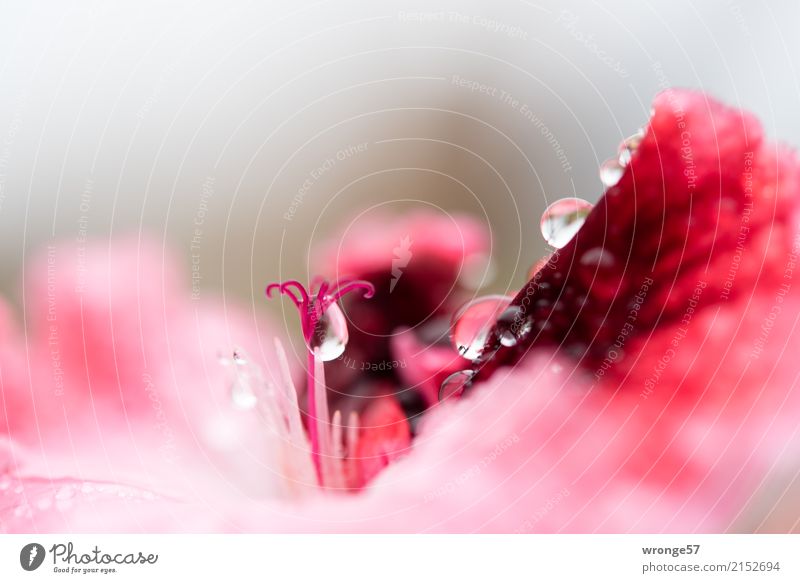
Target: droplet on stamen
563, 219
456, 384
330, 335
473, 322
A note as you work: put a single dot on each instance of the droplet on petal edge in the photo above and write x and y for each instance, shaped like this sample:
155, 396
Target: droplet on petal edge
628, 147
473, 322
610, 172
563, 219
330, 335
512, 326
597, 256
456, 384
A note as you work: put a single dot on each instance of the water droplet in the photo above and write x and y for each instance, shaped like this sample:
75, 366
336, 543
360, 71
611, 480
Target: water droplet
610, 172
562, 219
330, 334
44, 503
65, 492
63, 505
455, 384
513, 325
597, 256
472, 323
242, 394
628, 147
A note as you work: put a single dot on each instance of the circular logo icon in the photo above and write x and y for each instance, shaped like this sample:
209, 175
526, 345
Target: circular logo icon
31, 556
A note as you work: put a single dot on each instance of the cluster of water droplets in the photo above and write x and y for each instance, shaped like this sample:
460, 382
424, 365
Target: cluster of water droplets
470, 331
612, 169
37, 495
473, 324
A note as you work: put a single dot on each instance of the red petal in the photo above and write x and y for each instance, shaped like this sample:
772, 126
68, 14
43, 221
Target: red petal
702, 215
385, 436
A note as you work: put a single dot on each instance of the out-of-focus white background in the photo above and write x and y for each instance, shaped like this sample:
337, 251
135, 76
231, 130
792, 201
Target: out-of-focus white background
226, 116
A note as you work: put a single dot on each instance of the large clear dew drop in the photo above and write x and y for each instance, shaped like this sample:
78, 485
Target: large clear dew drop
330, 335
456, 384
242, 392
473, 322
563, 219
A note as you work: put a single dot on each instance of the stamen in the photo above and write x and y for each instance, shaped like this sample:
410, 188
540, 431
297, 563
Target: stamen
368, 288
318, 415
311, 313
337, 434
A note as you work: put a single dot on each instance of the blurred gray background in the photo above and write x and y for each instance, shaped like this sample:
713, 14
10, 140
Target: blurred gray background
144, 116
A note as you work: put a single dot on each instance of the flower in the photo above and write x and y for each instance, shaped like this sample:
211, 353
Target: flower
649, 385
422, 267
325, 333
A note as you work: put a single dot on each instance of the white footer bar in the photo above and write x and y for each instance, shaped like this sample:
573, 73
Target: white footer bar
388, 558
